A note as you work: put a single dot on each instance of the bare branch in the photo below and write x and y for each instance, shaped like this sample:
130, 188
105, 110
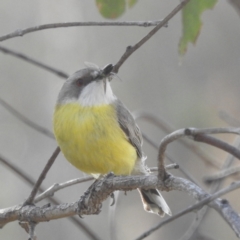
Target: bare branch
236, 5
25, 120
195, 131
33, 61
131, 49
91, 201
42, 176
230, 120
162, 149
199, 136
152, 143
191, 231
58, 186
22, 32
205, 199
17, 170
218, 143
222, 174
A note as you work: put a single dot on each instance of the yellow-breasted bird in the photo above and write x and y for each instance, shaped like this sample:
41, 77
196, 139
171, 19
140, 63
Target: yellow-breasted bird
97, 134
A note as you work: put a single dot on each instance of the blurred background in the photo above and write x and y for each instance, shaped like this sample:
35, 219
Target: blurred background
185, 91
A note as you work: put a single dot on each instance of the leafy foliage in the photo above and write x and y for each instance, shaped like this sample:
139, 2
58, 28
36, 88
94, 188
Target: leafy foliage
191, 16
191, 21
111, 8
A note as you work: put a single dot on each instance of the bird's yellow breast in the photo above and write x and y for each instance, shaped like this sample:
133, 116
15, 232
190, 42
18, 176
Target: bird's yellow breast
92, 140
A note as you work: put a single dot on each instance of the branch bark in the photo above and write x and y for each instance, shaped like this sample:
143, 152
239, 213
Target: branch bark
91, 201
22, 32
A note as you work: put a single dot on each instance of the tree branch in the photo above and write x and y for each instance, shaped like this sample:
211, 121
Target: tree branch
42, 176
91, 201
25, 120
205, 199
199, 135
131, 49
58, 186
22, 32
34, 62
222, 174
236, 5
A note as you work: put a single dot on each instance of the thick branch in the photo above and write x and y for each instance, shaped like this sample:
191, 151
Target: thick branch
204, 199
91, 201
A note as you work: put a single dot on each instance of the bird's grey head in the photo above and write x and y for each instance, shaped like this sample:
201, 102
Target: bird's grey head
76, 83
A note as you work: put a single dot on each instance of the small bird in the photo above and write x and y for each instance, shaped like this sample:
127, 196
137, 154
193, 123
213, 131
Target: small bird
97, 133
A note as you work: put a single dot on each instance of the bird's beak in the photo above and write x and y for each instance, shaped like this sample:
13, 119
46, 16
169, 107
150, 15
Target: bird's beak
106, 71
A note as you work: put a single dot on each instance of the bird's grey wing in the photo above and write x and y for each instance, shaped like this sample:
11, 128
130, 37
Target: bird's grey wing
129, 126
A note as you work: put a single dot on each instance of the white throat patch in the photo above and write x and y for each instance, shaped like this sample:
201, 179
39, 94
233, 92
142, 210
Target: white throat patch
93, 94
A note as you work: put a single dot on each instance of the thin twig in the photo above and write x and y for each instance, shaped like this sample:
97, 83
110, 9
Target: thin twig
196, 131
198, 205
218, 143
236, 5
193, 133
17, 170
162, 149
222, 174
131, 49
58, 186
21, 32
42, 176
25, 120
230, 120
185, 173
33, 61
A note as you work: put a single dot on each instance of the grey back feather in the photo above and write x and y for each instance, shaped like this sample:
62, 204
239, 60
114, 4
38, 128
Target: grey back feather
129, 126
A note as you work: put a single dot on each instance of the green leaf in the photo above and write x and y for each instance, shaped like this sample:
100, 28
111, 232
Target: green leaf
131, 3
111, 8
191, 20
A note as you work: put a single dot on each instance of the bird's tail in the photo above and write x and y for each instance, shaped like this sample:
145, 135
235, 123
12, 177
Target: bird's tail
154, 202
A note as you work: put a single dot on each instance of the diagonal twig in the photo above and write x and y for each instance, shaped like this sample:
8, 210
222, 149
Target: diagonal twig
198, 205
131, 49
25, 120
42, 176
33, 61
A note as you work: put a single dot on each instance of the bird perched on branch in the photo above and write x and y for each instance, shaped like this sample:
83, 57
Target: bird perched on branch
97, 134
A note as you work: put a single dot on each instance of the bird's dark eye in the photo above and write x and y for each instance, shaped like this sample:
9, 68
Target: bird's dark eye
80, 82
